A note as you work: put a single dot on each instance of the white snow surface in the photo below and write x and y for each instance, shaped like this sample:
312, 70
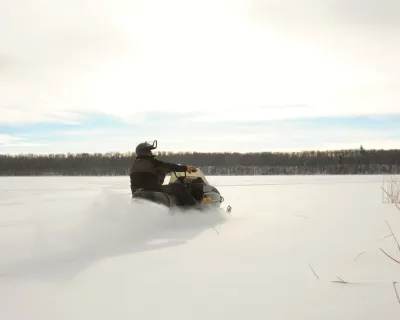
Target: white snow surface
76, 248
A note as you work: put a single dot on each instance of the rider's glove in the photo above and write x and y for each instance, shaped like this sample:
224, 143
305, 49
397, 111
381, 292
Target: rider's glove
191, 169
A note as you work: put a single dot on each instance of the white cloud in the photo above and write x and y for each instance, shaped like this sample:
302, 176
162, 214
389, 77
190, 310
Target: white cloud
27, 115
126, 57
122, 57
194, 137
6, 138
10, 141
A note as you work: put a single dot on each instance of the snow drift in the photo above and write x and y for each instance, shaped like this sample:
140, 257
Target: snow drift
62, 243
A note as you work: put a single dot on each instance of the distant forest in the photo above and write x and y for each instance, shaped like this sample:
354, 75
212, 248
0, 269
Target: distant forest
353, 161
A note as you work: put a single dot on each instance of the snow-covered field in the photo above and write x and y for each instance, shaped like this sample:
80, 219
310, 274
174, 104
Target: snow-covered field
76, 248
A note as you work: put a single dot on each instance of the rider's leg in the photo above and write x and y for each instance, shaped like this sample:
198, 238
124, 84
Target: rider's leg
182, 194
197, 190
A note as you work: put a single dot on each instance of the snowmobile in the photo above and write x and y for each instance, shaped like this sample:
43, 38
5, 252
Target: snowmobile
205, 195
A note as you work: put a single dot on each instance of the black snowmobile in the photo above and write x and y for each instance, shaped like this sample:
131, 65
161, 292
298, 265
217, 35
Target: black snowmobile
205, 195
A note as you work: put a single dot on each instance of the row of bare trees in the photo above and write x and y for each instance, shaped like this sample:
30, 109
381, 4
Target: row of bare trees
352, 161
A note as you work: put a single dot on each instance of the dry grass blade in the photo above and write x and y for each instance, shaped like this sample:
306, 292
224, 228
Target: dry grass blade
385, 237
214, 228
389, 256
340, 280
398, 245
395, 290
392, 198
396, 190
313, 272
359, 256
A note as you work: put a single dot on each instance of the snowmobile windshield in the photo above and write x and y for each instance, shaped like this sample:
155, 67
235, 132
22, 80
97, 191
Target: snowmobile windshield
193, 175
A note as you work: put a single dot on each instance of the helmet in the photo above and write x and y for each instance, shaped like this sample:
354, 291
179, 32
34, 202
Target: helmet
144, 148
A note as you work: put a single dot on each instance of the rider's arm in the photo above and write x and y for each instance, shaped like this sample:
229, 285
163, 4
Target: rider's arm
169, 167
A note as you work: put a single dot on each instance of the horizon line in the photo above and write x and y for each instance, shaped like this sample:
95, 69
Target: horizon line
159, 153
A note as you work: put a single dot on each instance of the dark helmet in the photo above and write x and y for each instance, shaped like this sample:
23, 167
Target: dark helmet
144, 148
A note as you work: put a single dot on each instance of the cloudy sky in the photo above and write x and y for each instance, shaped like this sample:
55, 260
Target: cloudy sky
211, 75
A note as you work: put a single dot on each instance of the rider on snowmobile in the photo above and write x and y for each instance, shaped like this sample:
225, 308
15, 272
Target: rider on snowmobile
148, 173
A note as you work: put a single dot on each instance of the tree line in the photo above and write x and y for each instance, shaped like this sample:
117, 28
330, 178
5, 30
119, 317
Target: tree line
351, 161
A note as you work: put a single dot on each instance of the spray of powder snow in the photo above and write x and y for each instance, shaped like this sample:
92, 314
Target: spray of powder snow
60, 245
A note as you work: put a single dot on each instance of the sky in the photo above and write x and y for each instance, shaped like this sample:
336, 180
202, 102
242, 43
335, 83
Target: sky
220, 75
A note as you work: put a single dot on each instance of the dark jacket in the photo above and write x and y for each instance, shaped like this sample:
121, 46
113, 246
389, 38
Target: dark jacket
147, 172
